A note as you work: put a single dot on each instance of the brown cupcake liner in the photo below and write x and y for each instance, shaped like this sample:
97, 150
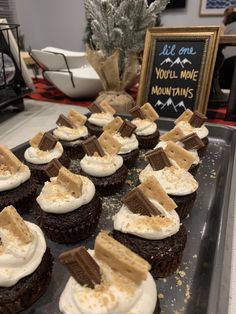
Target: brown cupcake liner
21, 197
157, 309
163, 255
109, 185
94, 129
185, 204
71, 227
74, 150
149, 141
193, 169
130, 158
202, 151
27, 290
37, 171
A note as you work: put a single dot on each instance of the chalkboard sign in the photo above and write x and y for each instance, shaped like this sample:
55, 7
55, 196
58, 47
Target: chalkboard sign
177, 69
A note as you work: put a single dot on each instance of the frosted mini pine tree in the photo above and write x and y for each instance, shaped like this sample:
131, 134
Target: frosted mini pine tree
118, 30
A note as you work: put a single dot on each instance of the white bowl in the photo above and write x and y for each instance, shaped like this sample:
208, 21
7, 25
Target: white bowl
51, 58
87, 82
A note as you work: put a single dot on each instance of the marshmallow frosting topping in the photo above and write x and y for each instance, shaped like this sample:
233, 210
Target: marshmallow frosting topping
100, 118
19, 260
97, 166
115, 295
187, 129
10, 180
128, 144
55, 198
147, 227
144, 126
68, 134
174, 180
37, 156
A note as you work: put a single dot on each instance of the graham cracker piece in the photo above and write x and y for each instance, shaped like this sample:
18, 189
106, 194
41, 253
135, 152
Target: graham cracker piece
77, 118
113, 126
153, 189
120, 258
71, 181
81, 266
173, 135
9, 159
14, 223
183, 158
185, 116
106, 107
34, 142
109, 143
149, 112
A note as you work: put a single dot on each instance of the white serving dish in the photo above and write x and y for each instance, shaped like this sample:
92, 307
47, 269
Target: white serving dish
51, 58
87, 82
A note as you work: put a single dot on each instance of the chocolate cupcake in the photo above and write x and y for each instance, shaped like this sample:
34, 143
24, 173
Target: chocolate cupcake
44, 147
123, 133
193, 122
101, 115
102, 165
192, 143
148, 224
68, 208
71, 132
177, 182
146, 128
17, 186
25, 262
109, 279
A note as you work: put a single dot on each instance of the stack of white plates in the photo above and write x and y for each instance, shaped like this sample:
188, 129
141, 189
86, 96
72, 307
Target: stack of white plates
81, 81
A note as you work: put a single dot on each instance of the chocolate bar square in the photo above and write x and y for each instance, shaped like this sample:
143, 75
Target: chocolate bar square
136, 112
158, 159
64, 121
192, 141
138, 203
127, 129
52, 169
197, 119
47, 142
95, 108
91, 146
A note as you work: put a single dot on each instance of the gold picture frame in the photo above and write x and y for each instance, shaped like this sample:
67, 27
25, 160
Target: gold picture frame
193, 55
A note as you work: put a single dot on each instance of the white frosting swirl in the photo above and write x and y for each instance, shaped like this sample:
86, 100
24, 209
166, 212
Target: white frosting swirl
174, 180
97, 166
9, 181
128, 144
68, 134
101, 118
37, 156
116, 295
144, 126
152, 228
55, 198
194, 152
188, 129
17, 260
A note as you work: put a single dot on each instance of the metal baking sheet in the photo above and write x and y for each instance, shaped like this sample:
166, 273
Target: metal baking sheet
201, 284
